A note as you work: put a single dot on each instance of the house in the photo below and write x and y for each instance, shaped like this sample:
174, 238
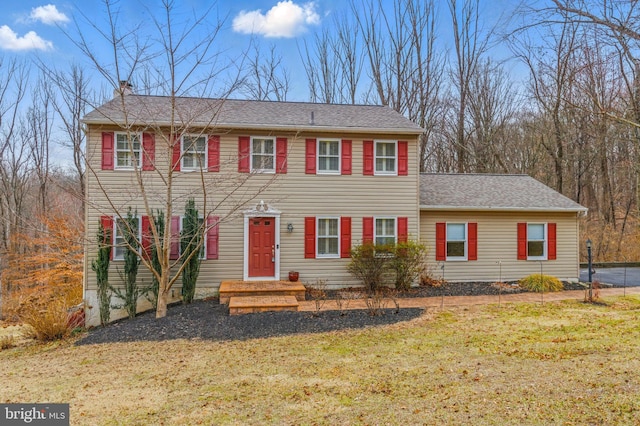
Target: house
291, 186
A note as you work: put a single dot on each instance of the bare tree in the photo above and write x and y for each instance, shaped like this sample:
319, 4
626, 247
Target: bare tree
266, 78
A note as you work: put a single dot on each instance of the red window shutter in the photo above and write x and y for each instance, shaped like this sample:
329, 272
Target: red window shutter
107, 150
146, 237
244, 154
310, 157
213, 153
176, 155
346, 157
472, 229
367, 157
281, 155
551, 241
310, 237
367, 230
148, 151
403, 158
175, 238
107, 226
441, 241
522, 241
212, 237
403, 229
345, 237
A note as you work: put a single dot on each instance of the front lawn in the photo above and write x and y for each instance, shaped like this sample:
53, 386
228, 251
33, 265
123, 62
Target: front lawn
561, 363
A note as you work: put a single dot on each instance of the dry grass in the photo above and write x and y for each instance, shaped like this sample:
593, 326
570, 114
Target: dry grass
561, 363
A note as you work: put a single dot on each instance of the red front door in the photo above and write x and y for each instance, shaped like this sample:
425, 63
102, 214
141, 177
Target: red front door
262, 247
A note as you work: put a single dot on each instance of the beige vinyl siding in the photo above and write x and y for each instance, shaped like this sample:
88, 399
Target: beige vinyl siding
497, 242
296, 194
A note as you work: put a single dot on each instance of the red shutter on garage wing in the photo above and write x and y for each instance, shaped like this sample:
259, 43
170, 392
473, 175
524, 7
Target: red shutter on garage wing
146, 237
281, 155
310, 157
367, 158
310, 237
346, 157
148, 151
345, 237
107, 150
472, 229
212, 236
175, 161
551, 241
367, 230
244, 154
403, 229
403, 158
174, 252
522, 241
441, 241
213, 153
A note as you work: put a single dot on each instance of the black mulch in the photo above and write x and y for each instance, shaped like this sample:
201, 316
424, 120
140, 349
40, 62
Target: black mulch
208, 320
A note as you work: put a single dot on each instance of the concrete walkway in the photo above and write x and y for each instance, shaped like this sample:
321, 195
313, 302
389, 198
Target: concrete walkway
427, 302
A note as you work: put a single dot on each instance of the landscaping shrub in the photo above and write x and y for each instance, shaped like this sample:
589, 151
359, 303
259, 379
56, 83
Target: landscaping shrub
369, 263
131, 292
541, 283
101, 267
408, 263
191, 246
48, 321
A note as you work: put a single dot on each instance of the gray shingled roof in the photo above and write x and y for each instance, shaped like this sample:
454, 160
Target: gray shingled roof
244, 114
490, 192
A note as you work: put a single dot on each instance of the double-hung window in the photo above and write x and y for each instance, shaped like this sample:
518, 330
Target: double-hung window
385, 231
386, 158
328, 156
121, 228
203, 247
128, 150
263, 155
456, 241
328, 236
194, 152
536, 241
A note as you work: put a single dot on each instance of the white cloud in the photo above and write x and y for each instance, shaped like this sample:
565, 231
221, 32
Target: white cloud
9, 40
285, 19
48, 14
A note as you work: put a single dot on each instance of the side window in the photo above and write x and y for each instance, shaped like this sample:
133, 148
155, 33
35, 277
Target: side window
328, 237
328, 156
203, 248
128, 150
263, 155
119, 243
456, 241
536, 241
385, 231
386, 158
194, 152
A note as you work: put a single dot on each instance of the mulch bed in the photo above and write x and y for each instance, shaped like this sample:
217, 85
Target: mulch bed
208, 320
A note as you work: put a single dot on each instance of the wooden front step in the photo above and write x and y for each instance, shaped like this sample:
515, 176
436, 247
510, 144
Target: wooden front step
230, 289
251, 304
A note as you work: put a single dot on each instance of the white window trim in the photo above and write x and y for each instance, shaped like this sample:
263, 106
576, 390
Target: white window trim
205, 166
253, 169
328, 172
115, 150
327, 256
395, 228
375, 158
115, 234
466, 242
545, 242
203, 256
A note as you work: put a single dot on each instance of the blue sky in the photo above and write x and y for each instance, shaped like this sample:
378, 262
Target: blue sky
34, 29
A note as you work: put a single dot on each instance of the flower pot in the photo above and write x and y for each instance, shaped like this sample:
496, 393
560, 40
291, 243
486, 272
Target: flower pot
293, 276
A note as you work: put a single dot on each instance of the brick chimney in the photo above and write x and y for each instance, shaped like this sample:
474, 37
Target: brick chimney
125, 89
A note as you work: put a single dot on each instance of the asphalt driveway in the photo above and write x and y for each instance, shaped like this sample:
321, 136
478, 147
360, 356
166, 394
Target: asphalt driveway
616, 276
